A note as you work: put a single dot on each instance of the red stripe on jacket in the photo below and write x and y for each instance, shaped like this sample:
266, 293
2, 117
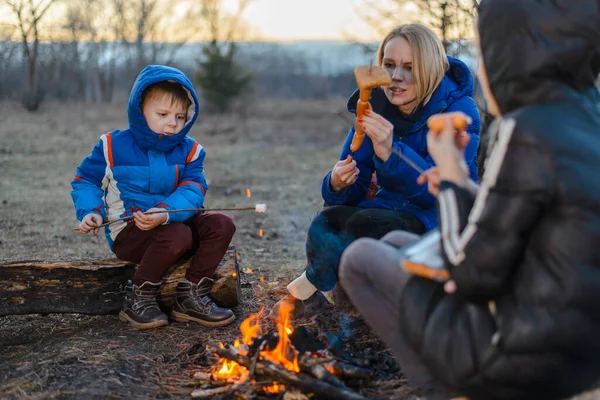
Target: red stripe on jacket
109, 148
193, 183
176, 177
192, 152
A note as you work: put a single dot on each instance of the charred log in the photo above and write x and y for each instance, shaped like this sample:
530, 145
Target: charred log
349, 371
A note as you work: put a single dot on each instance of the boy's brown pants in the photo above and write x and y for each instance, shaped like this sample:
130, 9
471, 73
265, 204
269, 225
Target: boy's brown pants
156, 250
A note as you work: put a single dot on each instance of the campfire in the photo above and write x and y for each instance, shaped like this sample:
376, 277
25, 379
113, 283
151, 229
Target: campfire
290, 361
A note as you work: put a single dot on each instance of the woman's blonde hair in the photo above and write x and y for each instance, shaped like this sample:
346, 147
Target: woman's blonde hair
429, 58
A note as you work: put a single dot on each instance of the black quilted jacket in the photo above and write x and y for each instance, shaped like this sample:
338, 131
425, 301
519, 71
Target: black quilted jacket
524, 322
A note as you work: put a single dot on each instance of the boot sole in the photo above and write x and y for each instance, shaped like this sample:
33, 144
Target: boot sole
148, 325
180, 317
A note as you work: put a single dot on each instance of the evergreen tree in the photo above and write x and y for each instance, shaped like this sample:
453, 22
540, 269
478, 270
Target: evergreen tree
222, 80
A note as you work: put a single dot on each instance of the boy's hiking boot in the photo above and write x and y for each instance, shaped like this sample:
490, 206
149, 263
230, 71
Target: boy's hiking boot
194, 304
140, 308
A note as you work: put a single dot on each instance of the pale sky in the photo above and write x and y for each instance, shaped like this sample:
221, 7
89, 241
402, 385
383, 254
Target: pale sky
307, 19
289, 20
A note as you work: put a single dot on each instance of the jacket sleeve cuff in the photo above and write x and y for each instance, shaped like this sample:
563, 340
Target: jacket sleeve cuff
328, 193
387, 166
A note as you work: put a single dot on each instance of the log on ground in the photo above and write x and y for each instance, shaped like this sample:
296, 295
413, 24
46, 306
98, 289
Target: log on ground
93, 286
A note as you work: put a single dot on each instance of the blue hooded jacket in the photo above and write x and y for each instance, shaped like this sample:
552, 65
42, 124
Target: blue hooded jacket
396, 179
136, 169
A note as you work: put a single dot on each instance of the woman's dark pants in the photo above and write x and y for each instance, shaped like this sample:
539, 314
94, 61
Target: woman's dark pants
335, 227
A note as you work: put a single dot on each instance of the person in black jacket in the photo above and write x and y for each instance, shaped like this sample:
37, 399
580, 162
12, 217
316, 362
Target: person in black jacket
520, 317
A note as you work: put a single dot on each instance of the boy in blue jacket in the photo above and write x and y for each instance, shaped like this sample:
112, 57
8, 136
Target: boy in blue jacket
152, 166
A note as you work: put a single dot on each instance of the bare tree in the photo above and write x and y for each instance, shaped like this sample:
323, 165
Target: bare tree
29, 14
7, 50
452, 20
94, 29
154, 30
123, 35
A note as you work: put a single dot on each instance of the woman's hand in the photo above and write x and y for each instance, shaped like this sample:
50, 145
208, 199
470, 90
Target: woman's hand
447, 148
90, 222
150, 221
432, 177
381, 133
344, 174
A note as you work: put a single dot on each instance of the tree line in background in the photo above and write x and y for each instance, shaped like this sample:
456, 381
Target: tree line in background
92, 50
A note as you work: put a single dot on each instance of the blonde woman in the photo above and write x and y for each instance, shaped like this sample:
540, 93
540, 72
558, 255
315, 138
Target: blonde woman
424, 82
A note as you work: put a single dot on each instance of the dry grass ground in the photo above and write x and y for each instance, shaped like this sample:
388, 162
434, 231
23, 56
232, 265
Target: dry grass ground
280, 151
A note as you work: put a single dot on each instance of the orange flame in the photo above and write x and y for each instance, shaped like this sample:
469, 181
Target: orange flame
260, 233
248, 270
262, 279
248, 193
274, 388
329, 367
251, 328
283, 354
230, 369
280, 353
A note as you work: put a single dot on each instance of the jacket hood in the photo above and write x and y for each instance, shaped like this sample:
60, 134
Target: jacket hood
539, 51
456, 84
144, 136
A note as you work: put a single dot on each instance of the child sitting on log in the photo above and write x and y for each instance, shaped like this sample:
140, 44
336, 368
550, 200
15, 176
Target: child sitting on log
151, 166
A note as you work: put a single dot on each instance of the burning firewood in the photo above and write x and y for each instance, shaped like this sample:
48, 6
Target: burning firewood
349, 371
305, 382
320, 372
290, 357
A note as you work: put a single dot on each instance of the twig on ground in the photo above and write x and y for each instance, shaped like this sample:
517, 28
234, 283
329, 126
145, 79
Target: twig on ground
204, 393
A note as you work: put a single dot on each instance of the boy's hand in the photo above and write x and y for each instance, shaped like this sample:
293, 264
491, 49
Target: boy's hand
344, 174
89, 222
150, 221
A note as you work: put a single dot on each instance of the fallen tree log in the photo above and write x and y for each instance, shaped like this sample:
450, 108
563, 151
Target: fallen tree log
93, 286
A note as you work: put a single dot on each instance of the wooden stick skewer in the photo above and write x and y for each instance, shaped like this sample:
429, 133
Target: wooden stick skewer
258, 208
